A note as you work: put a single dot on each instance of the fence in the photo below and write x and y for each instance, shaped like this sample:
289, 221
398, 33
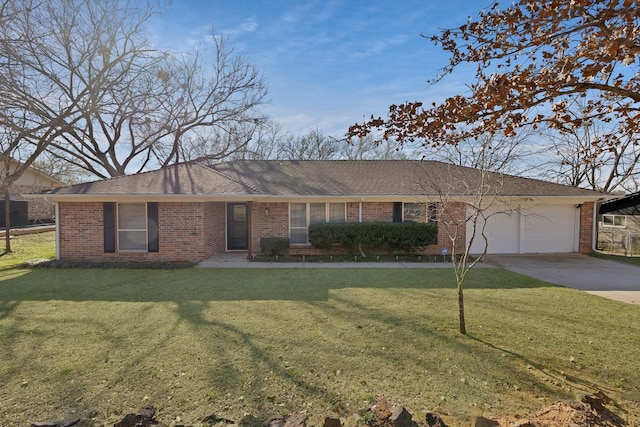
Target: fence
619, 242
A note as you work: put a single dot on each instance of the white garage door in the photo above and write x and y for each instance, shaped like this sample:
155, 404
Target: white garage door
540, 229
549, 229
501, 231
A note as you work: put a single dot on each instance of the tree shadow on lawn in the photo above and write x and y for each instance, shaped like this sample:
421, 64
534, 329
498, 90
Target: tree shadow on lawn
233, 284
197, 294
418, 352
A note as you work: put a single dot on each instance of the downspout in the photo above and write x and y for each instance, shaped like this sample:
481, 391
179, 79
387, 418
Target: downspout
594, 227
360, 221
577, 226
57, 215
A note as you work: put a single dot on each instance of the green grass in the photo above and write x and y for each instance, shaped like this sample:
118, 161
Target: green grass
28, 247
98, 344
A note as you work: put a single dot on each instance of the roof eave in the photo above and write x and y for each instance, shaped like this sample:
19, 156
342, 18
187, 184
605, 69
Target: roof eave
116, 197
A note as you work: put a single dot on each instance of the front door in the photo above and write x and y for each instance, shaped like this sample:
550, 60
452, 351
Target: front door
237, 227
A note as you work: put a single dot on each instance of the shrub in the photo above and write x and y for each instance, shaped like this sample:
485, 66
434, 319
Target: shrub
407, 236
271, 246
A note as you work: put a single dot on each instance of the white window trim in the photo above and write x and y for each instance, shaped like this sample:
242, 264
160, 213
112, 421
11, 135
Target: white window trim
613, 221
427, 211
308, 219
146, 229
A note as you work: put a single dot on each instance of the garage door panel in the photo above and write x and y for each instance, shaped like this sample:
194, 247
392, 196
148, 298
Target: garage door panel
549, 229
501, 231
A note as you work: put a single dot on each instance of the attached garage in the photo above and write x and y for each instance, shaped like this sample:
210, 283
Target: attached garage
534, 229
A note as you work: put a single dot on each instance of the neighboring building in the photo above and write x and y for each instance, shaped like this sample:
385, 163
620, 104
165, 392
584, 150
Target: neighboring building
190, 212
619, 225
32, 181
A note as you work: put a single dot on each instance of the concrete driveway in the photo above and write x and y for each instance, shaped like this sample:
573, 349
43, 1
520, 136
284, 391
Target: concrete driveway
609, 279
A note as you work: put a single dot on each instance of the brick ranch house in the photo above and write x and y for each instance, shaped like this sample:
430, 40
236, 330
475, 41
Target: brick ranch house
191, 212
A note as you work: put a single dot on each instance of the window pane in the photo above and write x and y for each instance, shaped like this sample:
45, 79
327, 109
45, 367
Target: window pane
432, 211
415, 212
607, 220
240, 213
298, 216
132, 216
132, 240
298, 235
336, 212
318, 213
620, 221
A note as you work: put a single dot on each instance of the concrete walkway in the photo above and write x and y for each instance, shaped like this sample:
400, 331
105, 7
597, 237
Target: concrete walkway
213, 263
239, 260
609, 279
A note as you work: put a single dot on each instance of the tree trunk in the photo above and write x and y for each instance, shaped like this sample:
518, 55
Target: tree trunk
7, 221
463, 325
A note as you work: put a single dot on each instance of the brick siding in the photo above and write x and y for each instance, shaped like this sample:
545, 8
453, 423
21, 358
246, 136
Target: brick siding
181, 233
192, 231
274, 225
585, 240
277, 224
214, 228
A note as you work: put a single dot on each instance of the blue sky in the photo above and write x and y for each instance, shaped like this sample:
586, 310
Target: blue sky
327, 63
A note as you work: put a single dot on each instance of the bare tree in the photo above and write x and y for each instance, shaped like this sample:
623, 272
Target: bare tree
60, 169
367, 148
497, 152
59, 60
467, 199
170, 108
313, 145
582, 161
265, 144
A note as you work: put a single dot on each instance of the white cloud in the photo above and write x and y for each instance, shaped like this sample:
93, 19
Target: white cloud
380, 46
248, 26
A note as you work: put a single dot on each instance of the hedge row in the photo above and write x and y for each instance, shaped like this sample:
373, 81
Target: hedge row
407, 236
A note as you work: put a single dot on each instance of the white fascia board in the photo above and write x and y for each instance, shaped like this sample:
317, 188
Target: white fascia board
323, 198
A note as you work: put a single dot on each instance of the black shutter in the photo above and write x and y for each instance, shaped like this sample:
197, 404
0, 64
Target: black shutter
397, 211
109, 219
152, 226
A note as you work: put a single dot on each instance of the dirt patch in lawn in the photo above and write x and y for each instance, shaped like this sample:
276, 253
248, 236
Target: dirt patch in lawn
589, 412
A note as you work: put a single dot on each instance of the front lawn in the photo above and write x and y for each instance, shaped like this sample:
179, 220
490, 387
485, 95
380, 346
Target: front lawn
97, 344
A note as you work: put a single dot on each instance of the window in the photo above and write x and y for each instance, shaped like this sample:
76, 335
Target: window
420, 212
614, 221
303, 214
298, 222
132, 226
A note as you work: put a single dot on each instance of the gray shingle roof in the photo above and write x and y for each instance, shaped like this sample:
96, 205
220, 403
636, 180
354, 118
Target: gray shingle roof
381, 177
183, 179
319, 178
